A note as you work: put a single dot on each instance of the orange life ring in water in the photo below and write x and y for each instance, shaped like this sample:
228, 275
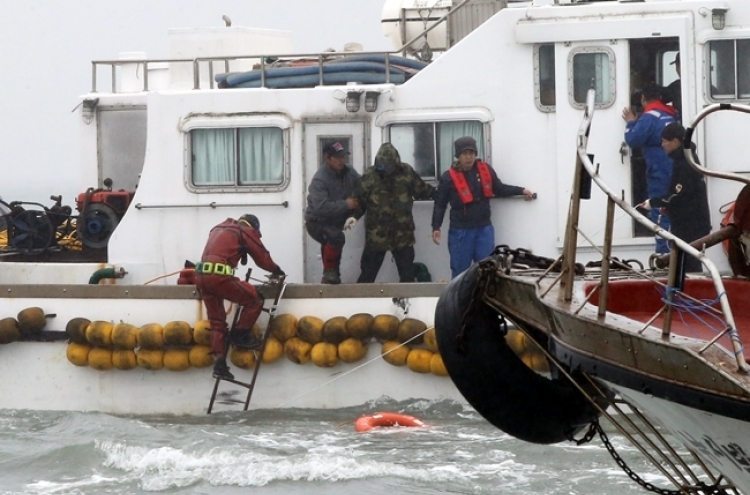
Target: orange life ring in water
365, 423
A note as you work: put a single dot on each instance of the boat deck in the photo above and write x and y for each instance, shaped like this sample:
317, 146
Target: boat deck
640, 300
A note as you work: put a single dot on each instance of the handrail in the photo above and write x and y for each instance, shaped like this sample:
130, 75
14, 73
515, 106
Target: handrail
437, 23
716, 107
195, 62
213, 204
571, 233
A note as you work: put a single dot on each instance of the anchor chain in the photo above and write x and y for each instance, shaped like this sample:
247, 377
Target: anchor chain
701, 487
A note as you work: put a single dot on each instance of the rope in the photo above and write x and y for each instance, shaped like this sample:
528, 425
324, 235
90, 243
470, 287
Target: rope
684, 305
294, 399
166, 275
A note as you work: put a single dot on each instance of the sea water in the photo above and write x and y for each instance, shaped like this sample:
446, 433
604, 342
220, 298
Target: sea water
295, 451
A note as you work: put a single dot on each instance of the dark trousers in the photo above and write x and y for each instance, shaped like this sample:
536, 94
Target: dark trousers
372, 260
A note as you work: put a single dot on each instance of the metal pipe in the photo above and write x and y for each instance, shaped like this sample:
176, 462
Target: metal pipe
213, 204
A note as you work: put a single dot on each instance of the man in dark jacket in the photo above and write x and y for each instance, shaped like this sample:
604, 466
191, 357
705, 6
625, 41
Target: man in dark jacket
468, 187
644, 132
686, 199
386, 194
331, 208
228, 243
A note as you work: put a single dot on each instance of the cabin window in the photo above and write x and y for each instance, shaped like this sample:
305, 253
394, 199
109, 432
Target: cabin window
243, 156
591, 68
428, 146
544, 77
730, 69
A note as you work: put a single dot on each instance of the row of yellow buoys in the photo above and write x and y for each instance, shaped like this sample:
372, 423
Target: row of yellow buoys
177, 346
342, 339
104, 345
28, 322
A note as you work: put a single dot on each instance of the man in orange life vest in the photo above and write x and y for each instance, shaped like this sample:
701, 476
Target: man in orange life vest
228, 243
468, 186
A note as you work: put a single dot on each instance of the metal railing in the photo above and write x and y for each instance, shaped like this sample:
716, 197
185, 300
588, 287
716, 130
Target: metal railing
196, 63
568, 258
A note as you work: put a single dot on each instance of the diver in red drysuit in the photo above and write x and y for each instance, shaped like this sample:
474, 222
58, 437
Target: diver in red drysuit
228, 243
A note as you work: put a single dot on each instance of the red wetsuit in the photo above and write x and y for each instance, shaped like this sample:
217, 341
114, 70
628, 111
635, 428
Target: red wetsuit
227, 242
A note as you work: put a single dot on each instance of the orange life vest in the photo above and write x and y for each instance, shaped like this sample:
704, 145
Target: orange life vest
464, 191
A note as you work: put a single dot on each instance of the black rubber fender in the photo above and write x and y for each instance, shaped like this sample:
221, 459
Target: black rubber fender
511, 396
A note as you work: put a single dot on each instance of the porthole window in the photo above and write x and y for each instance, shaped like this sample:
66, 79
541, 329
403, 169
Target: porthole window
591, 68
544, 77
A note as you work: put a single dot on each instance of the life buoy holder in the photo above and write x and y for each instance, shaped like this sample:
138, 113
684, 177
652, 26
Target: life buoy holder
494, 380
368, 422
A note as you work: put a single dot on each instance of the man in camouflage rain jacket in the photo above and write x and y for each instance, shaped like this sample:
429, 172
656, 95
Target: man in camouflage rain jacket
386, 195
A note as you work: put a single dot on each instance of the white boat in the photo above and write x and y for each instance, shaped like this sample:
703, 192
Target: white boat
514, 74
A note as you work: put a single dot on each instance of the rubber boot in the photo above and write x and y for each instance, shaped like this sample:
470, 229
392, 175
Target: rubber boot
221, 370
331, 276
243, 338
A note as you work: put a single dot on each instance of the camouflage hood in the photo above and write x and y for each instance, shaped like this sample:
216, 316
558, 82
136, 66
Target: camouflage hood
387, 158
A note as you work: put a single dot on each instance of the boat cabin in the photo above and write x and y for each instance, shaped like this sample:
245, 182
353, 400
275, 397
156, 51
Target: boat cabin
193, 149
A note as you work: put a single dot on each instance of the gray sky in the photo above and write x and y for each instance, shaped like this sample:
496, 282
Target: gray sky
47, 47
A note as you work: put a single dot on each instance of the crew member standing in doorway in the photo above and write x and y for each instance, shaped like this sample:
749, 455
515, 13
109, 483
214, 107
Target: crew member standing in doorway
331, 208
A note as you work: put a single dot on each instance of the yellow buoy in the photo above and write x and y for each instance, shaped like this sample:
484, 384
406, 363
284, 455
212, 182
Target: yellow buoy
358, 326
297, 350
177, 359
334, 330
395, 352
418, 360
516, 340
202, 332
310, 329
242, 358
200, 356
31, 320
9, 331
430, 340
151, 336
273, 351
437, 367
125, 336
324, 355
100, 358
283, 327
178, 333
124, 359
537, 361
352, 350
76, 330
150, 359
99, 333
78, 354
385, 327
410, 330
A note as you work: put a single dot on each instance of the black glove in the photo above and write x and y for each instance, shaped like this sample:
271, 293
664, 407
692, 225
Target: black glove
278, 272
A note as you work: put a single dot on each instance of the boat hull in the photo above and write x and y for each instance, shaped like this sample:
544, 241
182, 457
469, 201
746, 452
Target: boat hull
38, 375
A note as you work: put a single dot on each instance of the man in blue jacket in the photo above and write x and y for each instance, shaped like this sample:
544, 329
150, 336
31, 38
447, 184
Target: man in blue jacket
645, 132
331, 208
468, 186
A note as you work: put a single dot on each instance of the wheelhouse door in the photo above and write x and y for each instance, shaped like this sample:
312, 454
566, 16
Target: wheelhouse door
316, 135
615, 69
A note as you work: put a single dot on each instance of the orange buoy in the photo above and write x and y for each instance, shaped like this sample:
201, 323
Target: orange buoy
368, 422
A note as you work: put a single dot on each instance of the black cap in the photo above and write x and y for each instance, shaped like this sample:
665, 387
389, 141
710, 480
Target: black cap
676, 59
251, 220
335, 149
673, 131
465, 143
